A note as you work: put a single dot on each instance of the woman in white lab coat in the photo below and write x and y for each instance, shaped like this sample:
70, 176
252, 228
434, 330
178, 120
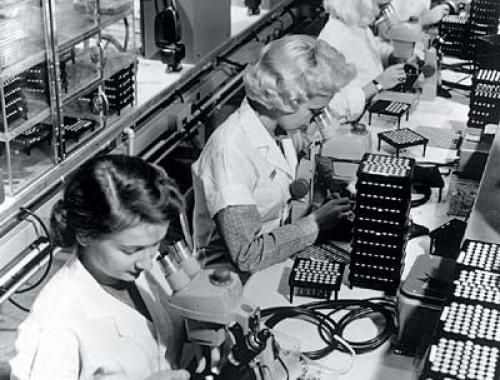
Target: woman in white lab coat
420, 11
104, 314
348, 31
242, 177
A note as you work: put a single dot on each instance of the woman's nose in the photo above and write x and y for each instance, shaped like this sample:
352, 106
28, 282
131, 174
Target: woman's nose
145, 262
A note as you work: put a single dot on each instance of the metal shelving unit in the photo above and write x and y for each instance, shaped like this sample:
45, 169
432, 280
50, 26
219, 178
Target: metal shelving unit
54, 66
26, 92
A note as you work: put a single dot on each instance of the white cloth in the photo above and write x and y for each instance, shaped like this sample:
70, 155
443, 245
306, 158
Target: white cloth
407, 9
348, 103
361, 48
76, 330
241, 164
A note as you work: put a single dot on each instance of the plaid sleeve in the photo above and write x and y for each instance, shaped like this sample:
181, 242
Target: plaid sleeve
249, 250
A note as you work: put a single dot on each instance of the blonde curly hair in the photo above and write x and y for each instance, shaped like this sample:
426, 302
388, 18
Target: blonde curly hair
292, 70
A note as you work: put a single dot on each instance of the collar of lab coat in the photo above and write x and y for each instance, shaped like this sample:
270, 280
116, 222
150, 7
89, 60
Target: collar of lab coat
260, 138
99, 304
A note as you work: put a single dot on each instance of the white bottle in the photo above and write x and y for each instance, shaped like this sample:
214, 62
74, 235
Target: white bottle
350, 143
430, 83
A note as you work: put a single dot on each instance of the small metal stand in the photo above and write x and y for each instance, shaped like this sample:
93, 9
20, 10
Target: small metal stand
315, 278
402, 138
389, 108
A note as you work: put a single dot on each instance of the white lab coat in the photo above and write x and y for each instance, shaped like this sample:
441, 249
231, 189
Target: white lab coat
359, 47
411, 8
241, 164
76, 330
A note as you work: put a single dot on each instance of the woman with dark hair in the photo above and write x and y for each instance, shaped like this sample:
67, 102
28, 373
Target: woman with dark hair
104, 314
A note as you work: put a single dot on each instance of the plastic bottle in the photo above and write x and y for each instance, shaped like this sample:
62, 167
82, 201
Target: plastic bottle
429, 86
350, 142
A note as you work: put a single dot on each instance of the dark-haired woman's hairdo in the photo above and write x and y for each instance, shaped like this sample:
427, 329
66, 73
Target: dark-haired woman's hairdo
58, 225
111, 193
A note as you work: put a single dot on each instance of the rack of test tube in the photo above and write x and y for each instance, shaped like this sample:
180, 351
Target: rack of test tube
484, 20
315, 278
484, 98
381, 221
454, 31
467, 338
14, 102
120, 88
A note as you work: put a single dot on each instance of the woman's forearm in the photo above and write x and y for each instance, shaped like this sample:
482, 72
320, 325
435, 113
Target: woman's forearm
251, 251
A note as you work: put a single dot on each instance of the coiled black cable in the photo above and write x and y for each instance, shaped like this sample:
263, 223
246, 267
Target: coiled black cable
51, 252
321, 314
327, 326
47, 268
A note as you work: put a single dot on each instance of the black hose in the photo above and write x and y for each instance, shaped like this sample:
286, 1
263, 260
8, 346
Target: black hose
328, 328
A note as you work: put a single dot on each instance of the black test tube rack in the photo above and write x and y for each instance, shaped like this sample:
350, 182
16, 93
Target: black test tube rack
381, 221
15, 101
315, 278
485, 98
467, 337
454, 31
120, 89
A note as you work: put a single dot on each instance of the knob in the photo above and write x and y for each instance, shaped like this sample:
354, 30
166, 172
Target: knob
299, 188
220, 277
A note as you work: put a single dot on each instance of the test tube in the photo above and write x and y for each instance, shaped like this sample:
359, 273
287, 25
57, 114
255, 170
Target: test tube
186, 260
327, 124
176, 277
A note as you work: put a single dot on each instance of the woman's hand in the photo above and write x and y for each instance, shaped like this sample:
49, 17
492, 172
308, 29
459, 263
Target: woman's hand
392, 76
331, 213
170, 375
435, 14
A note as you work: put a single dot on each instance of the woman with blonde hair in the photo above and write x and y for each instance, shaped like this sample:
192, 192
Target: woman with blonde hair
242, 177
348, 31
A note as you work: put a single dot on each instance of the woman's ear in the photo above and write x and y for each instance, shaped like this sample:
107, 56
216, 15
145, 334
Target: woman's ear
83, 240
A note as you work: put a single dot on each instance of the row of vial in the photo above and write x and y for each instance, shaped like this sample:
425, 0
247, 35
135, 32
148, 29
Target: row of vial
489, 75
492, 89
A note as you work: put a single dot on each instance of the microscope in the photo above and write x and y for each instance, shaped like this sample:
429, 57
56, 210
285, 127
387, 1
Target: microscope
168, 36
404, 38
173, 30
253, 7
216, 315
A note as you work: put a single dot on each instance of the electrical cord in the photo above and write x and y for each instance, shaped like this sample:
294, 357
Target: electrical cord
19, 306
331, 331
450, 164
361, 309
426, 193
15, 303
285, 368
51, 252
326, 325
363, 312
